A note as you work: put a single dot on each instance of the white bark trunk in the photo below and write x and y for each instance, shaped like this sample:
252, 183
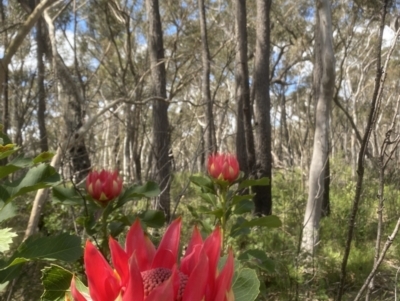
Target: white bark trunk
324, 81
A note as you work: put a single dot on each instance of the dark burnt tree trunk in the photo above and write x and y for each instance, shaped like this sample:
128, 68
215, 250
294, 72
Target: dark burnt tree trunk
41, 113
161, 136
262, 102
244, 138
209, 131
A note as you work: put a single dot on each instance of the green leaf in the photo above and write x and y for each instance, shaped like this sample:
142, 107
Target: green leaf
270, 221
41, 176
153, 218
218, 213
254, 182
193, 211
3, 137
210, 198
43, 157
237, 229
203, 182
148, 190
238, 198
244, 206
246, 285
56, 281
66, 195
259, 259
6, 236
8, 211
64, 247
15, 165
7, 150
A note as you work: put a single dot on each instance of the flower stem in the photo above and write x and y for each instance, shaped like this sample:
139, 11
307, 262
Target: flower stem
104, 243
222, 198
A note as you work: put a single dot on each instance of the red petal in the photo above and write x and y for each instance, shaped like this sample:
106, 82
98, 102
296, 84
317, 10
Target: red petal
196, 286
189, 262
224, 280
134, 290
165, 291
212, 247
120, 260
167, 252
103, 285
138, 243
192, 253
75, 293
196, 239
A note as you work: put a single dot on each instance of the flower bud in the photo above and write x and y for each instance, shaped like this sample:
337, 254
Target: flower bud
223, 167
104, 186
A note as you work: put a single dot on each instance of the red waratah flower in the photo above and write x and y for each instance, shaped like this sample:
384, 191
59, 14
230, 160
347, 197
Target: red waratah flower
143, 272
223, 167
104, 186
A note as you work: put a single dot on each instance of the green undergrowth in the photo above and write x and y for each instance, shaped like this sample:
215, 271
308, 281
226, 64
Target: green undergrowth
319, 280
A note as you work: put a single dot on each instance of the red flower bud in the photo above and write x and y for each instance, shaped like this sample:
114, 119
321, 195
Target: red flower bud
223, 167
104, 186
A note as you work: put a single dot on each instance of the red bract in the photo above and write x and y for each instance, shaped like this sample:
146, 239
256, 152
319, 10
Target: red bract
223, 167
104, 186
143, 272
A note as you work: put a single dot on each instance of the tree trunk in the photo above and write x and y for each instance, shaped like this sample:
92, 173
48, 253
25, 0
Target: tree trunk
245, 140
6, 111
41, 113
323, 88
262, 101
209, 132
161, 135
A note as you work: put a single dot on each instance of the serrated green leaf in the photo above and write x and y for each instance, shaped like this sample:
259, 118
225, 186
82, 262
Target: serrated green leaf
7, 150
56, 281
6, 236
38, 177
254, 182
64, 247
246, 285
270, 221
43, 157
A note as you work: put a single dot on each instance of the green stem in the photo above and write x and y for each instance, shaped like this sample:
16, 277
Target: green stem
222, 198
104, 243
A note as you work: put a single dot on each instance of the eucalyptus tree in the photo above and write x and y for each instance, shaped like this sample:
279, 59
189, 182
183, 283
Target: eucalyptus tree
209, 132
244, 133
323, 88
161, 130
262, 102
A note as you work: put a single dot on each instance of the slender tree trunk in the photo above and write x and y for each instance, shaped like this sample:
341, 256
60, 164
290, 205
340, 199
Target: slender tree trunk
17, 40
161, 135
262, 101
323, 88
209, 132
41, 113
242, 92
6, 111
